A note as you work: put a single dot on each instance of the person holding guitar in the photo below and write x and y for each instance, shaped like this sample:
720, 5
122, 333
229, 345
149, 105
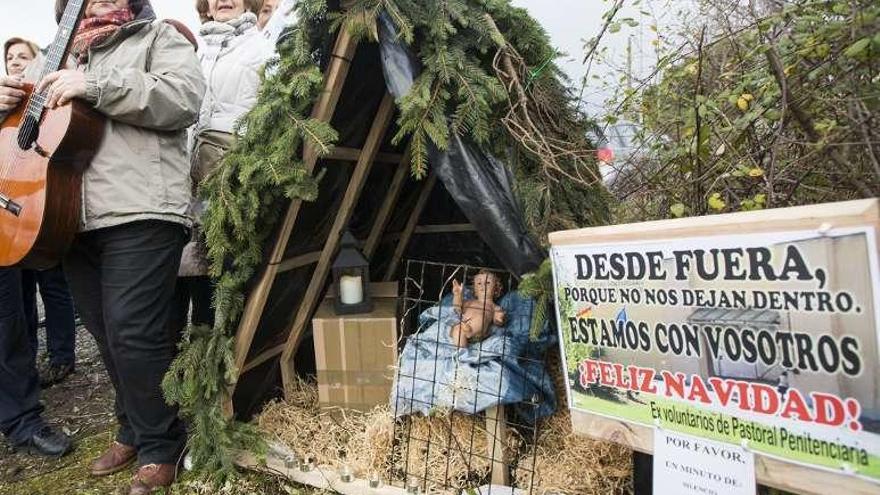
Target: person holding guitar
143, 78
60, 318
21, 419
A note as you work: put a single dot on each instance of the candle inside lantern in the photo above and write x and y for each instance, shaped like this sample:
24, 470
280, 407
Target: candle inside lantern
351, 289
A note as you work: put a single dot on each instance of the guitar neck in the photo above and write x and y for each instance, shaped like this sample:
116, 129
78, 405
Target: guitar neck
58, 50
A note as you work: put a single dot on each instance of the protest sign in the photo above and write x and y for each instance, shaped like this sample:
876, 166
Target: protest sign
756, 328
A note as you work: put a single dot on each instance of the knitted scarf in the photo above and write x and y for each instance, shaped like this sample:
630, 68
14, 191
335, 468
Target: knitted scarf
216, 33
94, 30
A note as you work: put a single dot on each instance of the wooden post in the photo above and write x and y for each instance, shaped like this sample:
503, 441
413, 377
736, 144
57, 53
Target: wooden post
349, 202
496, 441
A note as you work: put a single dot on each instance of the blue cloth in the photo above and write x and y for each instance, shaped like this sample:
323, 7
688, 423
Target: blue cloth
507, 368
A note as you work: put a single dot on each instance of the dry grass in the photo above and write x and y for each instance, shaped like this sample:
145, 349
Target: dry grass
333, 437
448, 449
573, 464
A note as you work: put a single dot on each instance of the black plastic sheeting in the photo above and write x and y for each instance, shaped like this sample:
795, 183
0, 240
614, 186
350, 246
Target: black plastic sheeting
481, 185
473, 188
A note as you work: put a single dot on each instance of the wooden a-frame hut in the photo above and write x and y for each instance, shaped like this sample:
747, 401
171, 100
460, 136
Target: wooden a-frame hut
463, 212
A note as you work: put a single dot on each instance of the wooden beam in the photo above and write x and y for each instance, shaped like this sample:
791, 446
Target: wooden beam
299, 262
262, 358
334, 80
388, 205
411, 225
496, 442
434, 229
445, 229
353, 154
380, 126
253, 311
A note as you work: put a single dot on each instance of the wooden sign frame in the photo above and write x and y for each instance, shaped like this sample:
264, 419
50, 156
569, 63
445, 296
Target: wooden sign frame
769, 471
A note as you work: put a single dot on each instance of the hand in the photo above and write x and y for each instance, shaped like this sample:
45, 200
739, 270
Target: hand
456, 288
500, 317
11, 93
63, 86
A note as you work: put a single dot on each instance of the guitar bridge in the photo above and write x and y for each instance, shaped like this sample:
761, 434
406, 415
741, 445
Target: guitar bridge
10, 205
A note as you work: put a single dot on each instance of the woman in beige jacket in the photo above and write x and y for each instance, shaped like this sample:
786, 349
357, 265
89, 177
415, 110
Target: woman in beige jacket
144, 77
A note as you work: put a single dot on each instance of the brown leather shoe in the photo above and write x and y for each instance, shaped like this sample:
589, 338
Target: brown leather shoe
152, 477
118, 457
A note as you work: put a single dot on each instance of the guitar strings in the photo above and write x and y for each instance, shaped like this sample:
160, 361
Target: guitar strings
33, 110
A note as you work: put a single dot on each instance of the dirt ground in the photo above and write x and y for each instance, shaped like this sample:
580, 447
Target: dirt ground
82, 407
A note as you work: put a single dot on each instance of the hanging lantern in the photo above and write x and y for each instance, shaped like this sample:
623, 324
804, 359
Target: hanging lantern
351, 279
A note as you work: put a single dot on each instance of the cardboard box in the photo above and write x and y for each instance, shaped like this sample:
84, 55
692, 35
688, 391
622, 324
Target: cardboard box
356, 354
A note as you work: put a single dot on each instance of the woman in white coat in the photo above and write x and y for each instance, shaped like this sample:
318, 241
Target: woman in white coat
232, 53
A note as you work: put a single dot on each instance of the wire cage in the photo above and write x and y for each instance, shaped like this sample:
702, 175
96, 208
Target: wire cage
458, 430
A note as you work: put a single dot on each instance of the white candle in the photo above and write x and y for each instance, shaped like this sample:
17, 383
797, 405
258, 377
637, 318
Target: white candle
351, 289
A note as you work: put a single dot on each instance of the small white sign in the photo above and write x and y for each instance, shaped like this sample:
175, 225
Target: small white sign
686, 465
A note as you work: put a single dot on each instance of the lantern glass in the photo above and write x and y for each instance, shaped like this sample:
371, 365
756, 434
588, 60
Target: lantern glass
351, 279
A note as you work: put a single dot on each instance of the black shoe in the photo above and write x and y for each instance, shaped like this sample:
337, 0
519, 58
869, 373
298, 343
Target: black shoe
55, 373
47, 442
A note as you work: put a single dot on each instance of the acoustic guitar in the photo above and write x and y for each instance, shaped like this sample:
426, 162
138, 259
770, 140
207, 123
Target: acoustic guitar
43, 153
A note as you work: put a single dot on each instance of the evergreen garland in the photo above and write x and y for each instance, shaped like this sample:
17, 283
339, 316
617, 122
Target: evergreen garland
480, 63
246, 197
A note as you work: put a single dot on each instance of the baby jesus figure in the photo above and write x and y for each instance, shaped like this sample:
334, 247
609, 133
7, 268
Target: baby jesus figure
479, 314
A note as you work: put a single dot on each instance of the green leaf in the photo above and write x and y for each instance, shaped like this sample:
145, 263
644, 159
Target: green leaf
857, 48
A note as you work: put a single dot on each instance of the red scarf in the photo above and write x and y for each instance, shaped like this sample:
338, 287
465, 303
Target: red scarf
94, 30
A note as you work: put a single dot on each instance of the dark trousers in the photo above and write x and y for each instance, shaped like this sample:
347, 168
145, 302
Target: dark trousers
60, 326
196, 293
122, 279
20, 407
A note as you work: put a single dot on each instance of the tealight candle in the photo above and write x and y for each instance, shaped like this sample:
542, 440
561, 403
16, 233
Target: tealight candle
412, 486
375, 480
307, 463
346, 475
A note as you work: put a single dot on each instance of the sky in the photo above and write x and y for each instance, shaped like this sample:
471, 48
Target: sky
569, 23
